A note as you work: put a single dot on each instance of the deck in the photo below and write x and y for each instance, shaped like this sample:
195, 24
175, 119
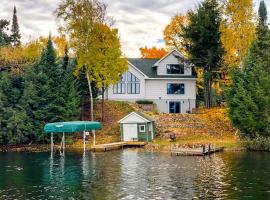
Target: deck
195, 151
117, 145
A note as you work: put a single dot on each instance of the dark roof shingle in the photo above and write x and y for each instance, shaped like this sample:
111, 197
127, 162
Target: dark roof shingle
145, 65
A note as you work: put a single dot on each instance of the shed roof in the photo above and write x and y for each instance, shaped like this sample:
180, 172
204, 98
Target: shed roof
69, 127
143, 116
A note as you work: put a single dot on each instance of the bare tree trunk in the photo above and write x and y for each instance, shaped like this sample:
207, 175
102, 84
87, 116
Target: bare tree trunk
208, 89
205, 84
102, 105
210, 92
91, 106
91, 97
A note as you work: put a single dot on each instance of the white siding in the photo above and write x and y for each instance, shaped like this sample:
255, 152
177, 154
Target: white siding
126, 96
157, 89
171, 59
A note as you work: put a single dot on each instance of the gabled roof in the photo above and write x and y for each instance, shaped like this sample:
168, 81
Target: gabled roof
171, 52
145, 65
140, 115
148, 66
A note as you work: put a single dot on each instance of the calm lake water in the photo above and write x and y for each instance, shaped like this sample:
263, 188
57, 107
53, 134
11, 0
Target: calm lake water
134, 174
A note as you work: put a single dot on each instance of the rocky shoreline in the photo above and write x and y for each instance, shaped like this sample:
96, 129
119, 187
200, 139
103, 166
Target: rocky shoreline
25, 148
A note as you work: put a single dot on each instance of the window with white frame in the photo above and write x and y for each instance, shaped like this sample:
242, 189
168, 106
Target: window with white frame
142, 128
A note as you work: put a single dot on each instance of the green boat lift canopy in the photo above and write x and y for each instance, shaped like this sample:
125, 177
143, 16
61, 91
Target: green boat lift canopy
70, 127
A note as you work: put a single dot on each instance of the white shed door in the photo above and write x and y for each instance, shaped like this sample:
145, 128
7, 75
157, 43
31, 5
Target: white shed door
130, 132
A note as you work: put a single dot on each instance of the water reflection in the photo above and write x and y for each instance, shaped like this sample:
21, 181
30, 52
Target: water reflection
133, 174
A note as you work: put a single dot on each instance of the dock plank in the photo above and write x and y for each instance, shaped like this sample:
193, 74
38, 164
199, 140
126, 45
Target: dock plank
194, 152
117, 145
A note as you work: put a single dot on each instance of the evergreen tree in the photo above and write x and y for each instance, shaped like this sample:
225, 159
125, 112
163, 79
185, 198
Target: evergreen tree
249, 96
70, 90
4, 37
15, 36
14, 122
204, 43
41, 98
262, 14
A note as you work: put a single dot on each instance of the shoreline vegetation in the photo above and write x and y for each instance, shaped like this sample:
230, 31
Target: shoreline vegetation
205, 126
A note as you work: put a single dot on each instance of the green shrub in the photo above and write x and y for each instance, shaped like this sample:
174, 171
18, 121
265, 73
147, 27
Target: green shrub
258, 143
147, 102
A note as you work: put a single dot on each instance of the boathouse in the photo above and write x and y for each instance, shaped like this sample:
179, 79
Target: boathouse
137, 126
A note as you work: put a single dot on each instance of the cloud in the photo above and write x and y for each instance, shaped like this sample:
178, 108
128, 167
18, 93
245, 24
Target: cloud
140, 22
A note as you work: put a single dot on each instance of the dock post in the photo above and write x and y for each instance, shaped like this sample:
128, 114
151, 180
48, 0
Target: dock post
84, 141
209, 149
51, 144
94, 136
203, 151
64, 145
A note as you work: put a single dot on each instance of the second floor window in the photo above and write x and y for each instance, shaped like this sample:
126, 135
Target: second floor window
175, 69
175, 88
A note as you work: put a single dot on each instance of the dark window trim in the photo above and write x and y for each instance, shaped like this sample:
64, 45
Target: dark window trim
176, 84
133, 83
181, 65
126, 82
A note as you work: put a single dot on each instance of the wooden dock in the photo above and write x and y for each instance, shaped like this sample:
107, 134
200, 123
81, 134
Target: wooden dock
117, 145
195, 151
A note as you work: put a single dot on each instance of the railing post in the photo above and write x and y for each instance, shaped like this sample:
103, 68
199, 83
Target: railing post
203, 151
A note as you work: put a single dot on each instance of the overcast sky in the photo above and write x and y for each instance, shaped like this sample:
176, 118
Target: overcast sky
140, 22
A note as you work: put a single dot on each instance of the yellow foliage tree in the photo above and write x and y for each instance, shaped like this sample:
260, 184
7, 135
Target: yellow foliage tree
173, 32
237, 31
60, 43
15, 59
173, 39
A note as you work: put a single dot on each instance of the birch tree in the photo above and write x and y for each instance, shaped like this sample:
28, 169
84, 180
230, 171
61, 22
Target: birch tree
237, 31
95, 44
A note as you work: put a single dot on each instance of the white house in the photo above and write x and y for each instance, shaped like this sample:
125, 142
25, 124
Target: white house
168, 82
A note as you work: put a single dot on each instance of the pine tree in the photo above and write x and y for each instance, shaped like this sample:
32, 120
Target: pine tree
204, 42
42, 99
262, 14
14, 122
70, 90
249, 96
15, 36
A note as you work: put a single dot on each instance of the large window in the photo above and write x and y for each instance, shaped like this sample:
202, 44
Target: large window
133, 84
129, 83
175, 88
175, 69
120, 87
